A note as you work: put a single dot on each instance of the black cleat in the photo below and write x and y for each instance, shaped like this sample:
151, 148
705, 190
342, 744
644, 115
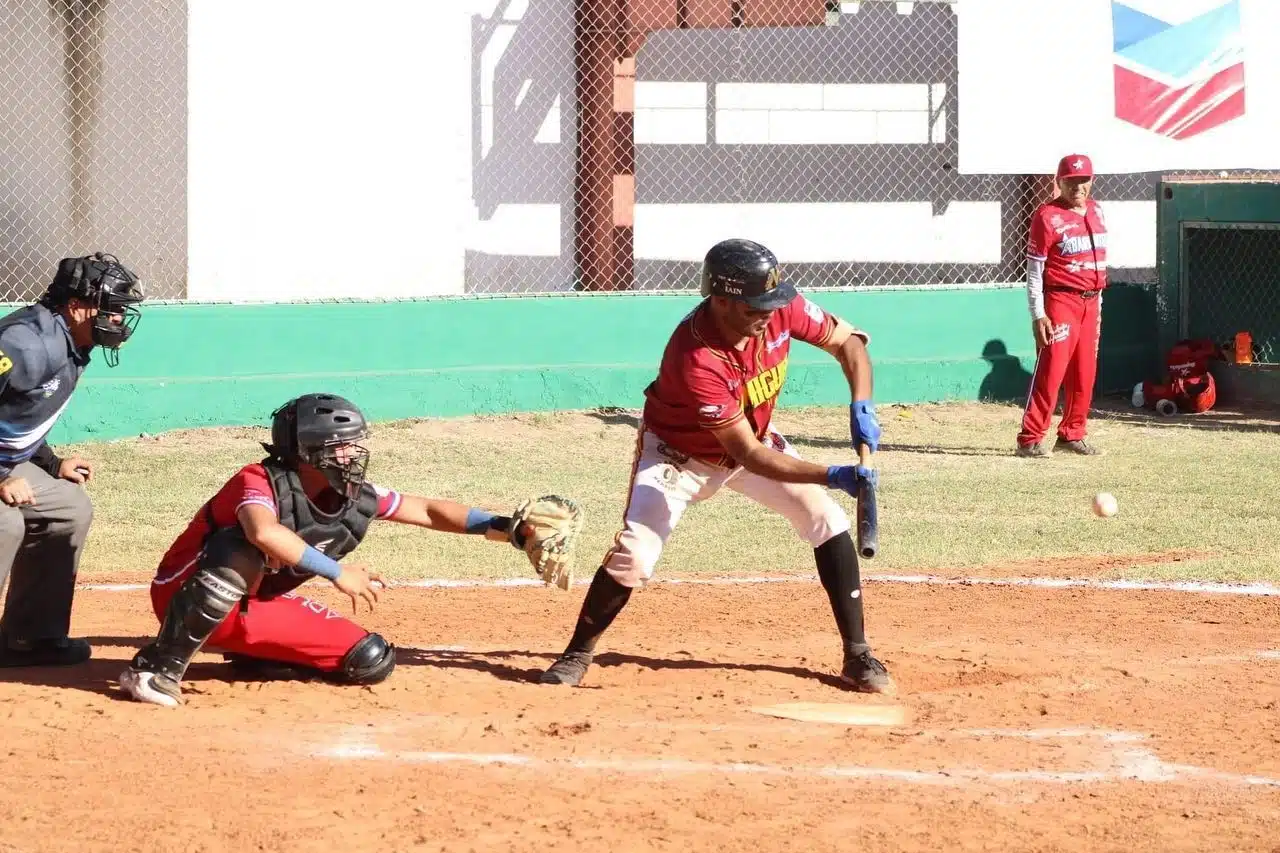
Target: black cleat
865, 674
61, 651
568, 669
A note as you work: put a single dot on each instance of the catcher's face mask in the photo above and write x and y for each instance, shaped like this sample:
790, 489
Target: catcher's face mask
343, 464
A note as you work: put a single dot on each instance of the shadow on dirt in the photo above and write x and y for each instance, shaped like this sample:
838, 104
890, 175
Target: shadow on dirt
511, 665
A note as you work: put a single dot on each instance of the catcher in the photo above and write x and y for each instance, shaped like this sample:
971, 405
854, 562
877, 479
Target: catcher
230, 579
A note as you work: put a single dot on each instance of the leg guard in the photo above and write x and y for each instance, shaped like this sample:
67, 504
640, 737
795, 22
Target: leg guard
197, 609
369, 661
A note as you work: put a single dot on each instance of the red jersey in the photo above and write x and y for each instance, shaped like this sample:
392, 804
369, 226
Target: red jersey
249, 485
704, 383
1072, 246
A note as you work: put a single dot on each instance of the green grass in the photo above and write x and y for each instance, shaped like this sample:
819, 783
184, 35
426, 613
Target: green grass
952, 497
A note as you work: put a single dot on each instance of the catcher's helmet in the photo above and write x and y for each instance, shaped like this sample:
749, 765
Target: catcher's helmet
102, 281
324, 431
745, 271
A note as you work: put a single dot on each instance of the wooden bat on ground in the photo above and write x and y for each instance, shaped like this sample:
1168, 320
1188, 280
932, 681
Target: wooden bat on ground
868, 520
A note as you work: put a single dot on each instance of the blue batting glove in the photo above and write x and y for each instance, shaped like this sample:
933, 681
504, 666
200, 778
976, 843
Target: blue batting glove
864, 428
847, 477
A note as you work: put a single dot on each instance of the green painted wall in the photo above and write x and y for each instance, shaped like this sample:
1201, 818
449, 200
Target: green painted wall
1180, 203
207, 365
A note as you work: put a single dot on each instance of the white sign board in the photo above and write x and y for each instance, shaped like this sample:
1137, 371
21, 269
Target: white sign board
1139, 85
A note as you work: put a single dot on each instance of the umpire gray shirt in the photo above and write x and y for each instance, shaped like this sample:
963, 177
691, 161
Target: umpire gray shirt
39, 368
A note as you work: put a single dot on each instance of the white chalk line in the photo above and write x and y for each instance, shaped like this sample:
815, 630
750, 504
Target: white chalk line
1130, 764
1201, 587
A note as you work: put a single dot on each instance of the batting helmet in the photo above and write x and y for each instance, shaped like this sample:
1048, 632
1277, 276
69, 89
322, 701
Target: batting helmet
745, 271
325, 431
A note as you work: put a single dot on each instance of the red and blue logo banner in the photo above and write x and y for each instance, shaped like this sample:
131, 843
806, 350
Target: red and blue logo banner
1178, 79
1138, 85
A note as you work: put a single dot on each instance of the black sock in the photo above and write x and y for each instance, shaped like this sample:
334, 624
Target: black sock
838, 568
605, 600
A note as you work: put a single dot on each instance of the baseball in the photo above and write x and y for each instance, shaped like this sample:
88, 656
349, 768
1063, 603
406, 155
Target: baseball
1105, 505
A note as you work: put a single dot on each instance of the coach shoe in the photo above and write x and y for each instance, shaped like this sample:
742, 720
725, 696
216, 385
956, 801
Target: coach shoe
1031, 451
60, 651
865, 674
1079, 446
152, 687
568, 669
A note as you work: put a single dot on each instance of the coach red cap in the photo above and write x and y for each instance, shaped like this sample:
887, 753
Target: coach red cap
1075, 166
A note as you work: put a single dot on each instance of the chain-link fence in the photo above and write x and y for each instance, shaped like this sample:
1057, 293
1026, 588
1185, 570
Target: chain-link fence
611, 142
1231, 284
830, 128
92, 139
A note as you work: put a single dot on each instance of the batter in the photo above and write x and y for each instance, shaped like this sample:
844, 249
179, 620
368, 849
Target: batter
707, 425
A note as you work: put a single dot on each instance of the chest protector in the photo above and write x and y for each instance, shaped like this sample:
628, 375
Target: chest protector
333, 535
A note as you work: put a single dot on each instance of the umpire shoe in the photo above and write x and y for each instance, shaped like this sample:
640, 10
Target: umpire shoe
865, 674
59, 651
1080, 446
568, 669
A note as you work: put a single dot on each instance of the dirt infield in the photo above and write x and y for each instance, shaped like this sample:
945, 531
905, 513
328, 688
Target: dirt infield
1039, 719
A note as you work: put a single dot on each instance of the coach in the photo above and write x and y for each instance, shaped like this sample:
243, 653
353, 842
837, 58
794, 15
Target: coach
1066, 274
44, 513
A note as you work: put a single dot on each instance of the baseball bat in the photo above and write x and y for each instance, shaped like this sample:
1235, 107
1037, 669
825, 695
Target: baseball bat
868, 520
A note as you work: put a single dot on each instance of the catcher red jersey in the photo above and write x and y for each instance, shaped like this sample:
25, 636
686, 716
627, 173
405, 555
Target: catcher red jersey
704, 383
249, 485
1072, 246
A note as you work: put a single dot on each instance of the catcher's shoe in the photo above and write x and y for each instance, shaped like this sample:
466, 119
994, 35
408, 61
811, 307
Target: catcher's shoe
151, 687
865, 674
568, 669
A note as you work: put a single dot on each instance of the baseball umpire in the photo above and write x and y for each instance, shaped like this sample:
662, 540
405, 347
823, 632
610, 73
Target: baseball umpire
44, 513
707, 424
229, 579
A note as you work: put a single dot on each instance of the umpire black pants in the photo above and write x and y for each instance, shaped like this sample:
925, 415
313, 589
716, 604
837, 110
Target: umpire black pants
40, 547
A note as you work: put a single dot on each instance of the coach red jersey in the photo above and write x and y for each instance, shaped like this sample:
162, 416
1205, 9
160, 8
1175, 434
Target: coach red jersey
249, 485
1073, 246
704, 383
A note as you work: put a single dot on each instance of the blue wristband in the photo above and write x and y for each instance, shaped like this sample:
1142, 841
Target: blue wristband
478, 520
318, 564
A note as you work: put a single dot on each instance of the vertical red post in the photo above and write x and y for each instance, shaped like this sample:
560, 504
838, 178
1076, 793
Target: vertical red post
607, 36
598, 44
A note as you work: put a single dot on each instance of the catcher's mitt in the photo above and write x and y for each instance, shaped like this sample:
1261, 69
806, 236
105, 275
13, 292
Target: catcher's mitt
546, 528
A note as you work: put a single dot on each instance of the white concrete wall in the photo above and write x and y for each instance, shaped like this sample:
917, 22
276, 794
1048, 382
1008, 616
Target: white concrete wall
331, 149
675, 113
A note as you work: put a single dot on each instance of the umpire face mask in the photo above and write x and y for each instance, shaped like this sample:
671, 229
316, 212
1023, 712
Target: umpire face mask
117, 299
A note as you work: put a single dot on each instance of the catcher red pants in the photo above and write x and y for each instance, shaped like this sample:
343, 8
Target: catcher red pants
288, 628
1069, 362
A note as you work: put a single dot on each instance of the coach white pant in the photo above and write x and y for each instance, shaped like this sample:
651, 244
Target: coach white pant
664, 482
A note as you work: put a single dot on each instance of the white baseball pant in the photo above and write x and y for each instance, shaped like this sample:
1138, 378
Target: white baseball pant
665, 482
